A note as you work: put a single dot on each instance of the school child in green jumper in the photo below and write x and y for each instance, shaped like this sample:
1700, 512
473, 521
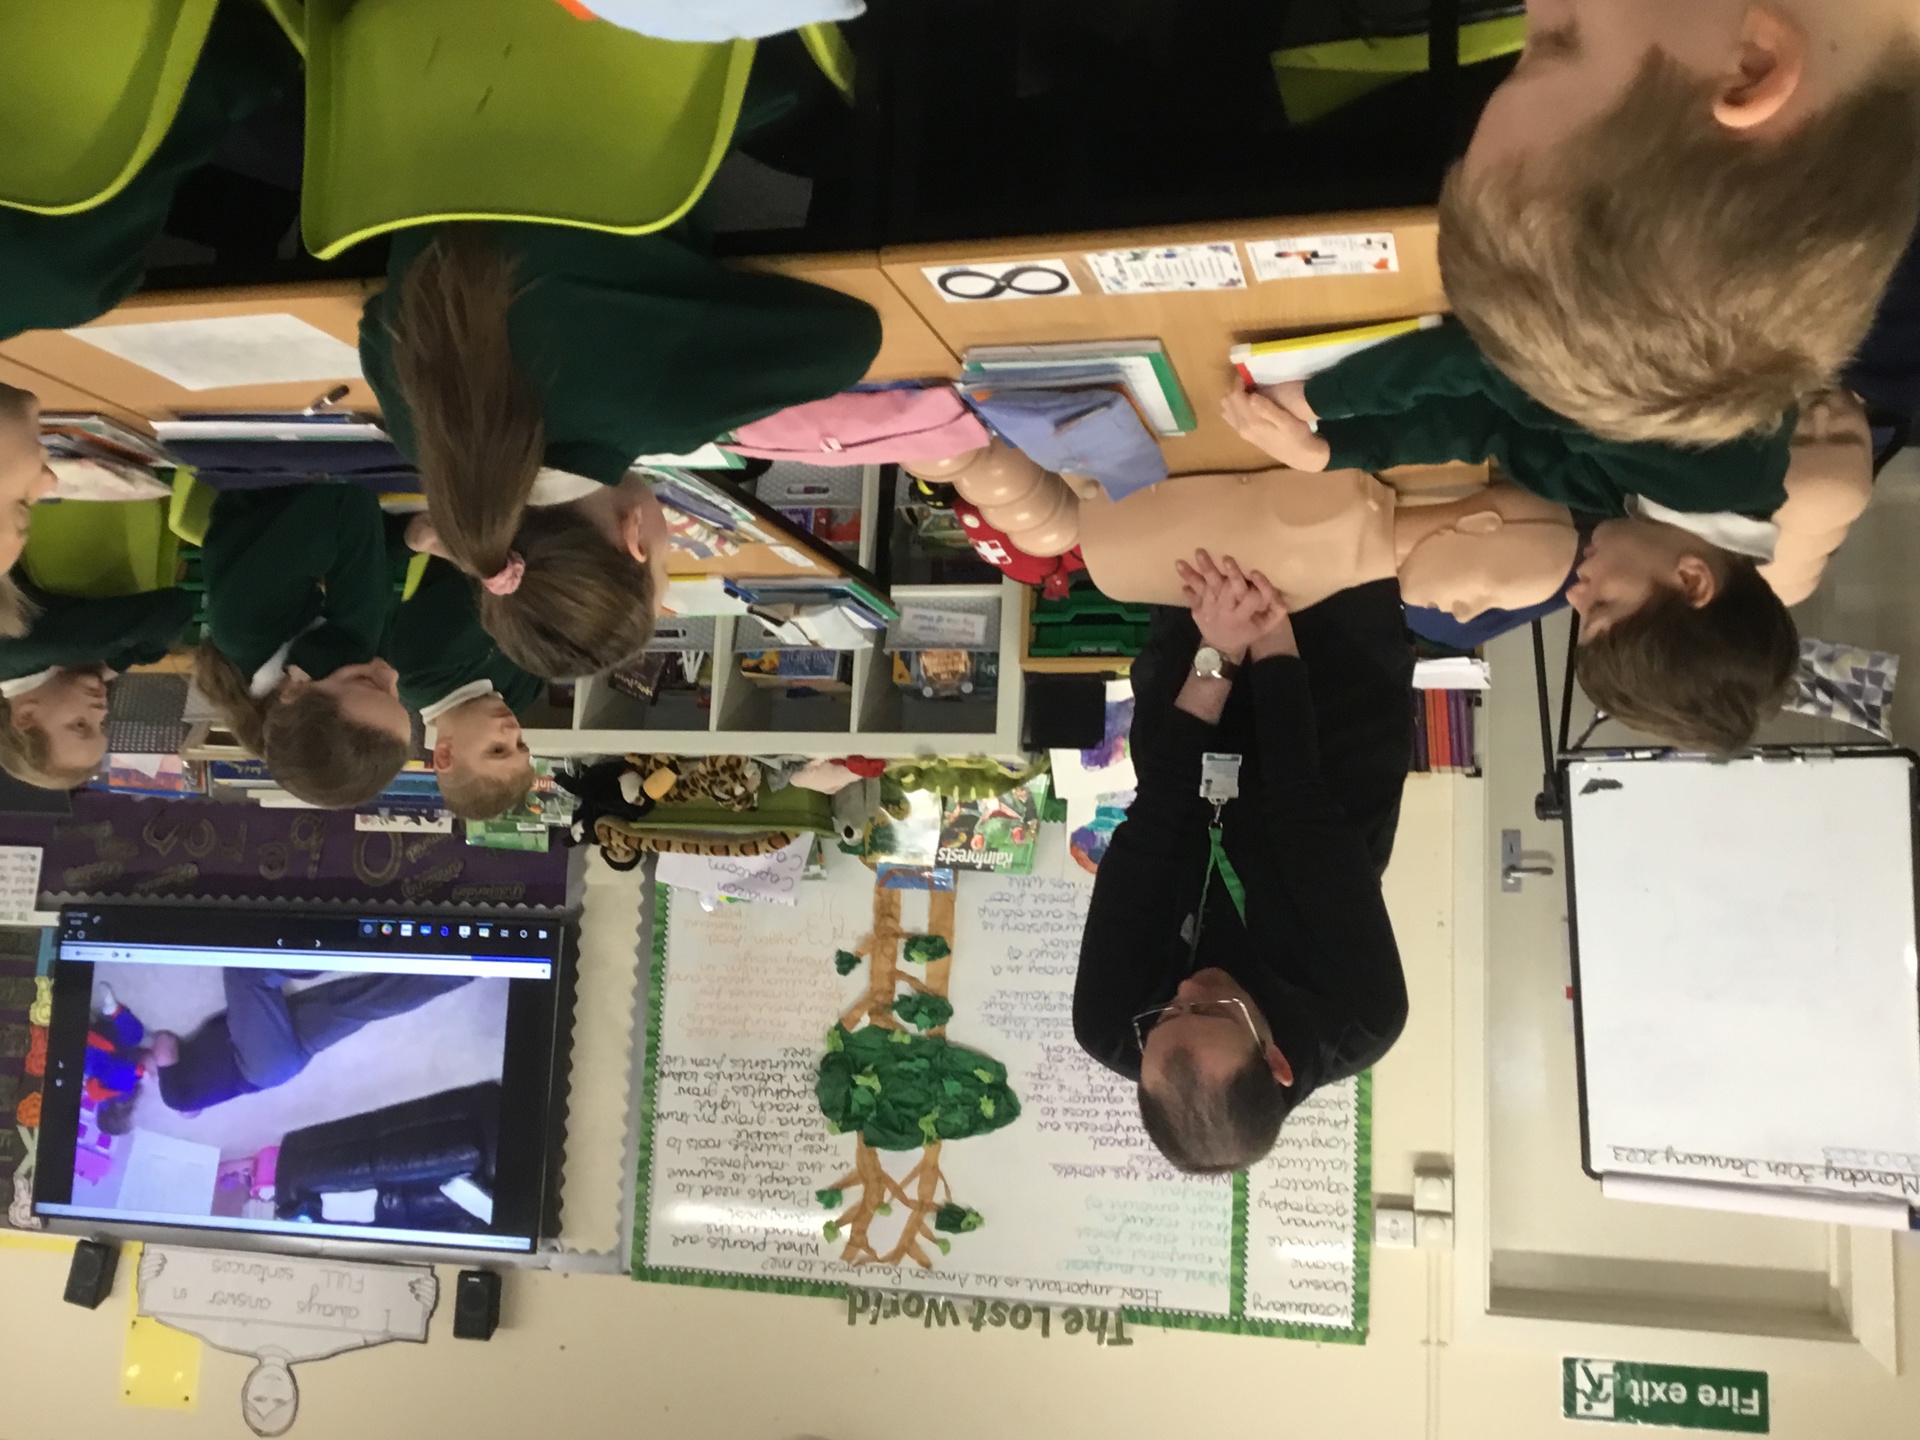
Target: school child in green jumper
525, 367
53, 680
466, 691
298, 594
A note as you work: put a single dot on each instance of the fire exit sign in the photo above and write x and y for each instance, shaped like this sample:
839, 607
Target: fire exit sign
1625, 1392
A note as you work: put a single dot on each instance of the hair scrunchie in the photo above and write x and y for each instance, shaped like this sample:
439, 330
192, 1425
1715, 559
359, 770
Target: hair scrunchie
509, 578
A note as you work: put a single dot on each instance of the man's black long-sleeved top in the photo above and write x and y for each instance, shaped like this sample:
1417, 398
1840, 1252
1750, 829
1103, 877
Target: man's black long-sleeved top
1324, 764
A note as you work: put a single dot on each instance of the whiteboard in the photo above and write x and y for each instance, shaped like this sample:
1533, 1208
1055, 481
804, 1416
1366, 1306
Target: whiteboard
1079, 1208
1745, 967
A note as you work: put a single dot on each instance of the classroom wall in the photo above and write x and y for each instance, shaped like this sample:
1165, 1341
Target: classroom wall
597, 1355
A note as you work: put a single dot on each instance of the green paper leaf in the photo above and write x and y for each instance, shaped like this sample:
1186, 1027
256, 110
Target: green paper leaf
834, 1043
883, 1208
899, 1037
925, 949
929, 1130
986, 1106
828, 1198
946, 1246
985, 1077
845, 961
831, 1230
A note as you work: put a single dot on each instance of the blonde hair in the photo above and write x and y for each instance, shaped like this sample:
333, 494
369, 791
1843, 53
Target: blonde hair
1671, 279
27, 755
312, 750
584, 603
17, 612
475, 797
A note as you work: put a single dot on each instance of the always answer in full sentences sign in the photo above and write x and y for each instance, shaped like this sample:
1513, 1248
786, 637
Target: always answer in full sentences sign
1689, 1396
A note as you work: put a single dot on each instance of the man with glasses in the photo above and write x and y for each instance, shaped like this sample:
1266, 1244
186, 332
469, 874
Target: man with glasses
1237, 954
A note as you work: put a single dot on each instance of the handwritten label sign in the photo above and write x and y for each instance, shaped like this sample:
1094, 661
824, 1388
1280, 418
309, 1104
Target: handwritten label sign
282, 1309
332, 1299
921, 625
19, 884
774, 876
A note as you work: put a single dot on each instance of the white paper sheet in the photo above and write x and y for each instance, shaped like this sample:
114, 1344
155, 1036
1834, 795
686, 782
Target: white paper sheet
975, 280
1301, 257
19, 883
774, 876
228, 350
1160, 269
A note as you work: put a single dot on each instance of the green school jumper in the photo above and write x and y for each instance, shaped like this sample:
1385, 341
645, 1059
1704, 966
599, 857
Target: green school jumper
63, 270
277, 560
639, 345
437, 645
120, 631
1432, 396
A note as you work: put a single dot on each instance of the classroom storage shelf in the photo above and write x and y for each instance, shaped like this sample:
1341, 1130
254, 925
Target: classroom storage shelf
875, 718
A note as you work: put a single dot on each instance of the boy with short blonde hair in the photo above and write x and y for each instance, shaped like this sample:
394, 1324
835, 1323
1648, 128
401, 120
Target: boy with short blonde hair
1676, 219
467, 693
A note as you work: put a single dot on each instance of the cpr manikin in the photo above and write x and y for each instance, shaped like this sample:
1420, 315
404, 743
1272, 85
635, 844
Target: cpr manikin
1496, 548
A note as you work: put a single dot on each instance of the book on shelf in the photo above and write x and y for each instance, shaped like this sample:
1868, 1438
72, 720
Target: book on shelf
1443, 731
997, 833
273, 425
1140, 367
104, 433
1300, 357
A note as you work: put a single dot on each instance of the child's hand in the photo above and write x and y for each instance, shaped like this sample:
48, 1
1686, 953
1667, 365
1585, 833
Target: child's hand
1278, 431
1291, 396
1232, 610
423, 538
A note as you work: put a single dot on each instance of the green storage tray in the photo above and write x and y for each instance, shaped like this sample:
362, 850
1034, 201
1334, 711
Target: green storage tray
422, 111
88, 92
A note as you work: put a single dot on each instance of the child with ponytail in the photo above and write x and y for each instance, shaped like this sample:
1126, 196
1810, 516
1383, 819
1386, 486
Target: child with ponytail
525, 367
298, 594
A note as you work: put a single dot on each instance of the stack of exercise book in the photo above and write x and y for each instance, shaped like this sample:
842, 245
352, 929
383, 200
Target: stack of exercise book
1139, 367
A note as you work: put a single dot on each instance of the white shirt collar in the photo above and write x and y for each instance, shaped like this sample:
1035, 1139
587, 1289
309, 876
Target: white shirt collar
1740, 534
472, 690
268, 676
560, 487
13, 689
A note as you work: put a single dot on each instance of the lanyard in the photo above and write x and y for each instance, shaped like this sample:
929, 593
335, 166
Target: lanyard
1217, 861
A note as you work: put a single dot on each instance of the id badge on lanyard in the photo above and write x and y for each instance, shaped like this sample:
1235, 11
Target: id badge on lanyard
1219, 783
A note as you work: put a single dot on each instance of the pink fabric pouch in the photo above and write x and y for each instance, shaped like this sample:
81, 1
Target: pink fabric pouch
865, 427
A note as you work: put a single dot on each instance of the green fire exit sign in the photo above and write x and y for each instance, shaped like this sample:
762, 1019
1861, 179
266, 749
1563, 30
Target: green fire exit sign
1628, 1393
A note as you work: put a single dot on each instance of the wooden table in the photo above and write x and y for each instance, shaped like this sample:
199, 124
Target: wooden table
925, 334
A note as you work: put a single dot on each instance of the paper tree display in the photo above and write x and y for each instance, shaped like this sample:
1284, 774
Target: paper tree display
891, 1077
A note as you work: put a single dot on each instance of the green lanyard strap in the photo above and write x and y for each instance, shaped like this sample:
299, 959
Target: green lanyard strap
1217, 862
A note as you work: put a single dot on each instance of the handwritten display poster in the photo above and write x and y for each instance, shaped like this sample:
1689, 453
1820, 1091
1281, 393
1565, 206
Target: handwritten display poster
744, 1183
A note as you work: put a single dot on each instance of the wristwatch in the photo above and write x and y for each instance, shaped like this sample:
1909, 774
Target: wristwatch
1210, 664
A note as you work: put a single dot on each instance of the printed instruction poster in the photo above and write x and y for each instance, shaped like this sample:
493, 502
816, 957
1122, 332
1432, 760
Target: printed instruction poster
1301, 257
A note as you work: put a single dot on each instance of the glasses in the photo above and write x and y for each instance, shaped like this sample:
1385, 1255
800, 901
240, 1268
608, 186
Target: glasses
1219, 1009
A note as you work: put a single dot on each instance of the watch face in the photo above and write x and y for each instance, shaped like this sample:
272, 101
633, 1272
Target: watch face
1208, 662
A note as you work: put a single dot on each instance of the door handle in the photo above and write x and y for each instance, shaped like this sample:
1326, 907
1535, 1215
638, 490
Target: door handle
1513, 867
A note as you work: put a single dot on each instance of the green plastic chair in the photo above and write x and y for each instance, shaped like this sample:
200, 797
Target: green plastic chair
90, 90
423, 111
291, 16
98, 548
